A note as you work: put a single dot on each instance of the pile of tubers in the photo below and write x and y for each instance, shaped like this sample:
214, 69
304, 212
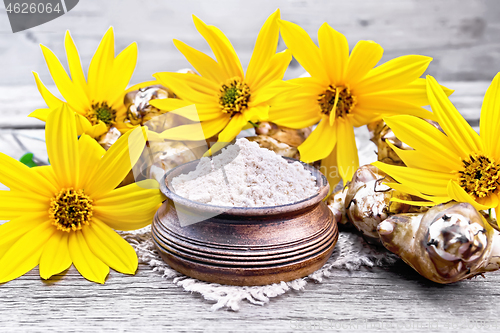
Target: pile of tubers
446, 243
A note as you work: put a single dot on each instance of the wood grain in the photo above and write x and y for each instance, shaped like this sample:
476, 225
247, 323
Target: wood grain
392, 299
461, 36
361, 300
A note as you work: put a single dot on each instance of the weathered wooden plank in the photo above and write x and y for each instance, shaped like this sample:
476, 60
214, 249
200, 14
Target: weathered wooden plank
19, 101
395, 298
365, 300
461, 36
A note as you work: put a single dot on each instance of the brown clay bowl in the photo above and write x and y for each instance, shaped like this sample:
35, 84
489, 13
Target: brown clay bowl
241, 245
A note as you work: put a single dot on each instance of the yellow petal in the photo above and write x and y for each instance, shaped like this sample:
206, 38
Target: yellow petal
110, 248
417, 203
91, 153
425, 138
221, 47
425, 181
329, 167
117, 162
142, 192
94, 131
364, 116
169, 104
47, 172
299, 109
123, 68
490, 119
497, 213
17, 176
388, 106
420, 160
62, 145
365, 55
394, 74
233, 128
334, 52
203, 64
414, 93
16, 203
347, 152
489, 201
405, 189
75, 64
83, 125
465, 139
13, 230
198, 131
320, 143
89, 266
272, 90
198, 112
129, 207
256, 114
192, 88
101, 67
40, 114
275, 70
264, 49
51, 100
24, 254
457, 193
73, 94
55, 256
303, 49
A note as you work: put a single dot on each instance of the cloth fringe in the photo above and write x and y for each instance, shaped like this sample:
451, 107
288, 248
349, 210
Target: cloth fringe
351, 253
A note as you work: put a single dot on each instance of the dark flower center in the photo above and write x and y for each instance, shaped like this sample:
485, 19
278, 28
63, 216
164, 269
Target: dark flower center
101, 112
70, 210
480, 176
234, 96
336, 99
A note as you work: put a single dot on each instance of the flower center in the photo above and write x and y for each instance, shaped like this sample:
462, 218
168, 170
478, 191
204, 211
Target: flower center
234, 96
70, 210
480, 176
103, 112
338, 99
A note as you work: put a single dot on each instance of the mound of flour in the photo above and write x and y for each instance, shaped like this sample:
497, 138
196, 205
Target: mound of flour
245, 175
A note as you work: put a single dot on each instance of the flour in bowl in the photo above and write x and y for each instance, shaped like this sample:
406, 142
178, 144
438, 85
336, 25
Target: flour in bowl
245, 175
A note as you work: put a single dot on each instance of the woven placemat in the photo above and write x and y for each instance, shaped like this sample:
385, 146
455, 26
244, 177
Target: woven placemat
350, 253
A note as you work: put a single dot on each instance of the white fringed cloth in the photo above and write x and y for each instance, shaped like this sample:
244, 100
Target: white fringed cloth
350, 253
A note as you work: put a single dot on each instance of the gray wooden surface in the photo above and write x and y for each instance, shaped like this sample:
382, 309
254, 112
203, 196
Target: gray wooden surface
461, 35
392, 299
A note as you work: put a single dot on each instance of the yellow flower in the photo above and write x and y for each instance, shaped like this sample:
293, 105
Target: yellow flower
345, 92
226, 99
97, 102
455, 165
64, 213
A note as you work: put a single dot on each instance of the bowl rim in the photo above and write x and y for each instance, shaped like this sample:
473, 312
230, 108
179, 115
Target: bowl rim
321, 183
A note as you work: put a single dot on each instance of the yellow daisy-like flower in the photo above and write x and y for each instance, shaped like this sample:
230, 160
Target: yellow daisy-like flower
97, 101
65, 213
455, 165
345, 92
226, 99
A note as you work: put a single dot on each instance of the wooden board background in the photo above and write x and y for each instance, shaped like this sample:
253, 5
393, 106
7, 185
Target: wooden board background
461, 35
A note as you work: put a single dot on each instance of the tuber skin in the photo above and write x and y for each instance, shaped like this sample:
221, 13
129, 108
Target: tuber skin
448, 243
368, 201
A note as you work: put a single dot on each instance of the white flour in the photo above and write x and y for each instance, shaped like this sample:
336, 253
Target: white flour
245, 175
